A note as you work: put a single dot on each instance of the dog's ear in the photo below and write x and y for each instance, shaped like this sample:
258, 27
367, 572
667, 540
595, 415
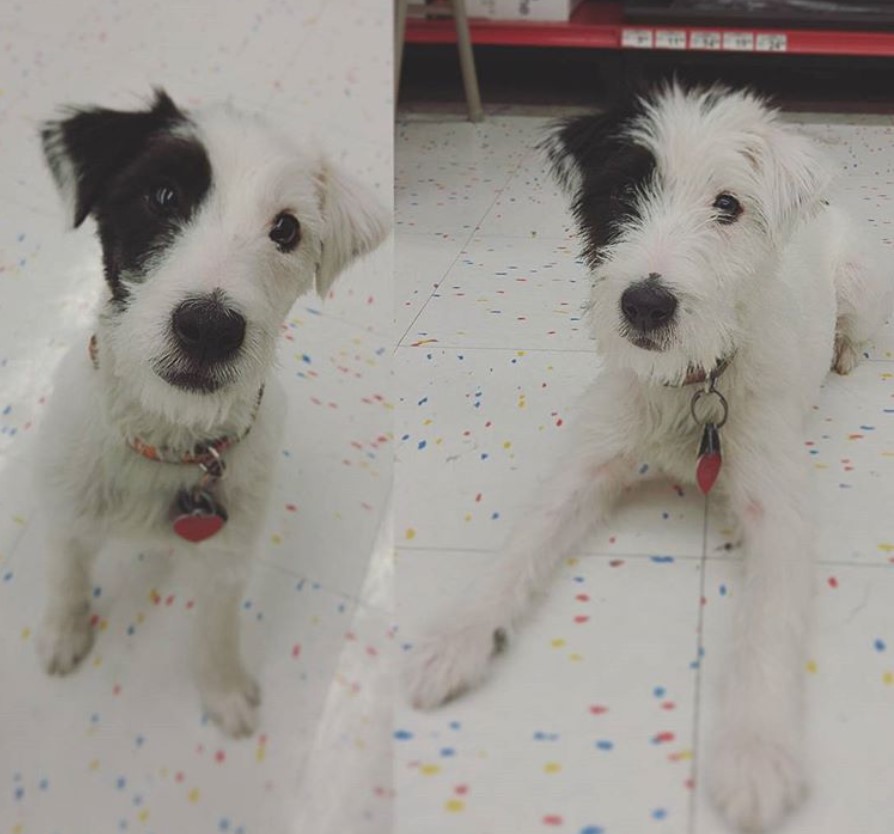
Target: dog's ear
582, 144
88, 146
354, 223
795, 177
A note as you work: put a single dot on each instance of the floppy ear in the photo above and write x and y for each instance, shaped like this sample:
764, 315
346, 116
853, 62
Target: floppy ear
354, 223
89, 146
580, 144
795, 177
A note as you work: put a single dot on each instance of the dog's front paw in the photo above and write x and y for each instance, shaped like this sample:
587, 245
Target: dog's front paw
846, 358
234, 706
62, 647
446, 664
755, 780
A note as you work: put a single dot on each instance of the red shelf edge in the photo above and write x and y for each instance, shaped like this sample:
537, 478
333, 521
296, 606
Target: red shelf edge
600, 26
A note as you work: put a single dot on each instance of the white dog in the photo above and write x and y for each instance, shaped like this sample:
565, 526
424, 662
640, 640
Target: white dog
725, 284
211, 225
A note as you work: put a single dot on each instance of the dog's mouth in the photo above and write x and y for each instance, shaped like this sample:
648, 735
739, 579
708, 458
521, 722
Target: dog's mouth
644, 342
197, 382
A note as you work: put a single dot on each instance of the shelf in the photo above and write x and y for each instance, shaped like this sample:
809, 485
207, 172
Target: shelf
600, 25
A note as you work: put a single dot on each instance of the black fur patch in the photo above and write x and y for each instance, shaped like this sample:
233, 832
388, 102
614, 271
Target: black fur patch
118, 159
613, 171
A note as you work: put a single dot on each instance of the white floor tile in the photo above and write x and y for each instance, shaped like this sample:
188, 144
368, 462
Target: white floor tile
584, 725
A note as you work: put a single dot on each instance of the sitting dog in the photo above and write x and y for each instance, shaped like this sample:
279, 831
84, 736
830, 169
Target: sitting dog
211, 225
724, 285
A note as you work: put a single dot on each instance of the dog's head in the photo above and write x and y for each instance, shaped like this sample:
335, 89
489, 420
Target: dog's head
684, 202
211, 225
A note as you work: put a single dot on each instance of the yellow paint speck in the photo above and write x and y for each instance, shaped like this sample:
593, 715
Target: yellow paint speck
143, 815
552, 767
94, 765
429, 769
574, 657
557, 643
507, 444
454, 805
26, 633
888, 678
811, 667
410, 534
886, 547
193, 795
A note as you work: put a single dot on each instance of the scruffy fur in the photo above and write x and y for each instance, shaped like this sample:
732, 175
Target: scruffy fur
233, 175
784, 287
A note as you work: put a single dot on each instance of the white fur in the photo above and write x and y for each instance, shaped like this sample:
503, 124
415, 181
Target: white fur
790, 289
93, 486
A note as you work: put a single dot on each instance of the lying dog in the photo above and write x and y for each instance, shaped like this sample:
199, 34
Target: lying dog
725, 284
211, 225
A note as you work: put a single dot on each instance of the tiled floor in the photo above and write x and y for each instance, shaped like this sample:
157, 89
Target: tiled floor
591, 724
121, 745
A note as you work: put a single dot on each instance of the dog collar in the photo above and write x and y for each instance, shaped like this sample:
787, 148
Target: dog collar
699, 376
206, 454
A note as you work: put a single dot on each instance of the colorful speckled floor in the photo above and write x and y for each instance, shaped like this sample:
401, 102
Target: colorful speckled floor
592, 723
121, 746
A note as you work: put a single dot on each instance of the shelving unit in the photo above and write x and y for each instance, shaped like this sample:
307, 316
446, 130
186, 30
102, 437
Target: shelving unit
600, 25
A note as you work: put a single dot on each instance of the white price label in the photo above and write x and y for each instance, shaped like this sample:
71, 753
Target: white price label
772, 43
670, 39
704, 40
636, 38
739, 41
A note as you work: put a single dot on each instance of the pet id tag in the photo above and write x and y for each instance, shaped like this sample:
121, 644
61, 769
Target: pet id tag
197, 515
709, 459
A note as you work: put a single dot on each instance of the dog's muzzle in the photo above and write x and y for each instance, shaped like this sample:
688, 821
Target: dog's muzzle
206, 333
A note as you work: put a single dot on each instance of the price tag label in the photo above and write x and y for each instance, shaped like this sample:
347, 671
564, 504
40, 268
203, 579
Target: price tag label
636, 38
670, 39
772, 43
704, 40
738, 41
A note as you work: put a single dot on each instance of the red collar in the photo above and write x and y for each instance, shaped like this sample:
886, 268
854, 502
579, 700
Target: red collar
698, 376
202, 454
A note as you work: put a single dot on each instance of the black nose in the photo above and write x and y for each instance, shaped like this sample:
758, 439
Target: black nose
648, 305
207, 329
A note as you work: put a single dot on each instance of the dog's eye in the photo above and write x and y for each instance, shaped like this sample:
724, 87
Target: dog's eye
164, 198
285, 231
728, 208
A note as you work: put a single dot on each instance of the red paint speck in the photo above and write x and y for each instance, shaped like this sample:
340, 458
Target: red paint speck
296, 650
583, 597
581, 618
553, 819
220, 756
598, 709
833, 582
461, 790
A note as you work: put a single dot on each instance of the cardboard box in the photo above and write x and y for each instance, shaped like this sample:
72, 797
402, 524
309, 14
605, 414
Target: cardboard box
552, 10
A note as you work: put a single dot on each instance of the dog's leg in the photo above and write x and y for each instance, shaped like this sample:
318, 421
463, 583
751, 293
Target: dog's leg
230, 695
456, 653
65, 635
863, 294
756, 773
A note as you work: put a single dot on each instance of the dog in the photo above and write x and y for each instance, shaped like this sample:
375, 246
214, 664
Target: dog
164, 424
725, 284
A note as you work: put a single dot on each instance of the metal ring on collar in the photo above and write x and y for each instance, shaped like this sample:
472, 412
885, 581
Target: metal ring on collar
723, 404
216, 467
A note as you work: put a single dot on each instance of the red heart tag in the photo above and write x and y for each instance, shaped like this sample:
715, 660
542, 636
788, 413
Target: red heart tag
197, 527
706, 471
709, 459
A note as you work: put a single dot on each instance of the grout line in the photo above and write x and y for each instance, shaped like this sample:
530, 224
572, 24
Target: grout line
697, 699
465, 244
586, 555
436, 345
